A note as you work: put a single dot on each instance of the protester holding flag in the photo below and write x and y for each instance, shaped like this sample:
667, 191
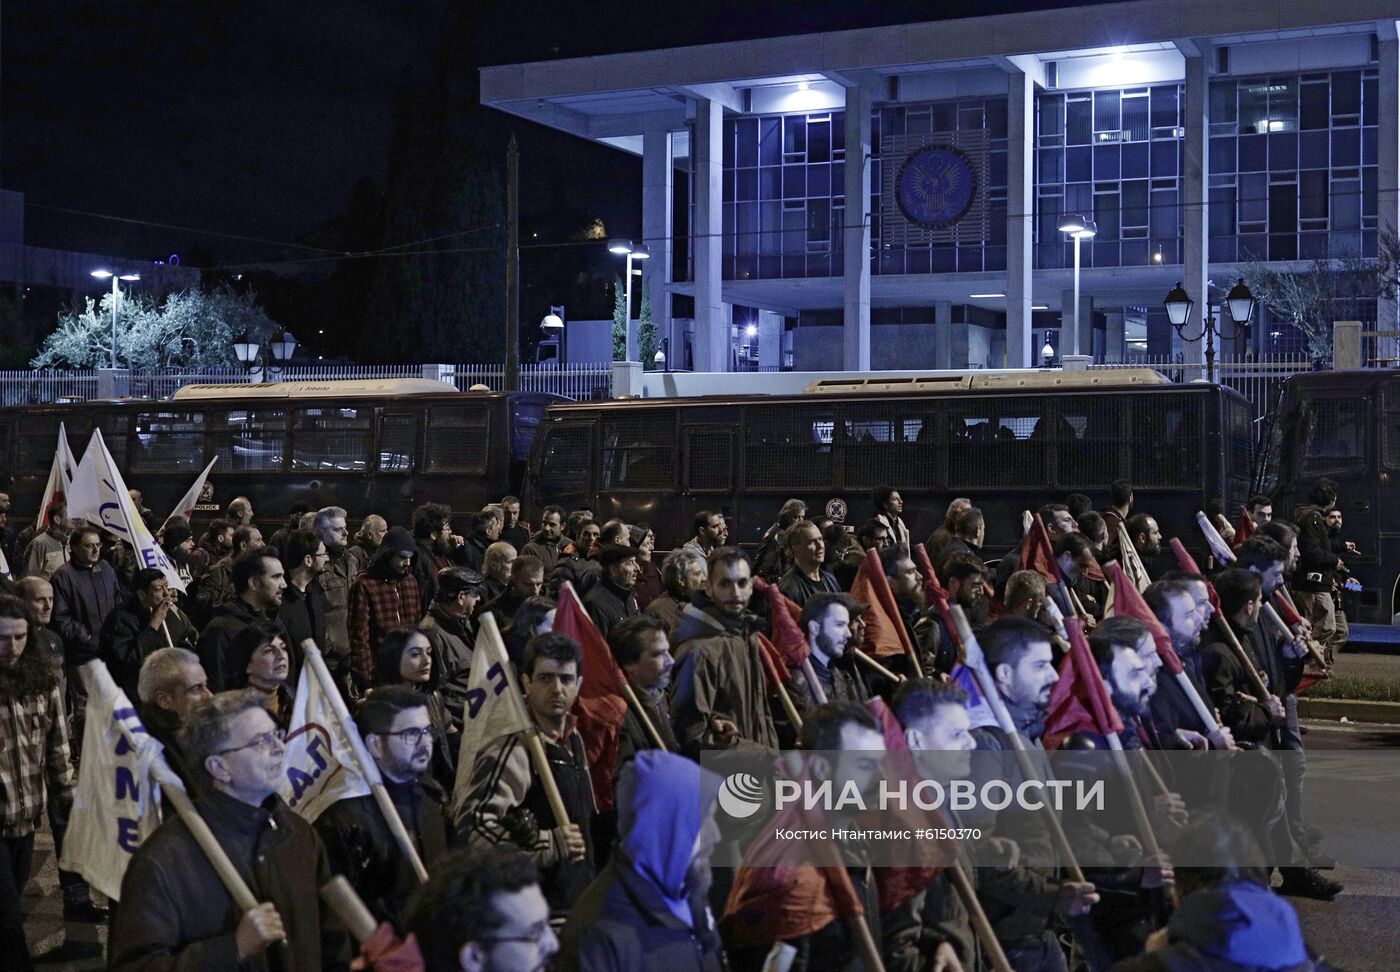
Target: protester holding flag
175, 912
34, 765
641, 649
505, 798
613, 598
394, 723
1173, 712
170, 683
890, 584
146, 622
826, 622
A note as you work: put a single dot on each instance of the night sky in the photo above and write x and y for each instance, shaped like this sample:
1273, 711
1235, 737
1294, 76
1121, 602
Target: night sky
257, 118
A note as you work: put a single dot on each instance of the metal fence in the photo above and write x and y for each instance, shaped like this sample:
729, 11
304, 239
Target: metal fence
42, 387
1257, 379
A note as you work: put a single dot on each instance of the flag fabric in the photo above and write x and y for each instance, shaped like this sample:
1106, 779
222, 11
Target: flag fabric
1080, 701
115, 806
979, 713
1188, 563
5, 571
1244, 528
1127, 601
493, 705
1219, 549
1285, 609
99, 495
784, 625
934, 592
601, 706
884, 628
190, 500
775, 670
1038, 553
319, 768
1132, 563
60, 479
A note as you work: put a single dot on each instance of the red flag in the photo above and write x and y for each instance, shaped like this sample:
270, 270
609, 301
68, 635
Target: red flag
1244, 528
884, 628
1080, 701
784, 624
1127, 601
1038, 553
601, 706
775, 670
1285, 609
1187, 563
934, 592
384, 951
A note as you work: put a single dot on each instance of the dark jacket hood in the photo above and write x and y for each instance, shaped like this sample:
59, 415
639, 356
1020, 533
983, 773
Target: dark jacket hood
1242, 923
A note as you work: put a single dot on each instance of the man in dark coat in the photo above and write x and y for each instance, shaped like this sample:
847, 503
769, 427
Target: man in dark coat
647, 909
171, 681
806, 578
641, 649
174, 910
393, 720
85, 592
526, 581
546, 543
147, 621
612, 598
258, 581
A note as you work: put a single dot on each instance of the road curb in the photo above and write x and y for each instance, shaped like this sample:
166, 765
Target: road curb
1354, 710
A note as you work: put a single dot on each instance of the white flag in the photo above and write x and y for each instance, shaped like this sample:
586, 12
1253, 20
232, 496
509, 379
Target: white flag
60, 479
5, 567
319, 767
116, 804
493, 706
188, 502
99, 495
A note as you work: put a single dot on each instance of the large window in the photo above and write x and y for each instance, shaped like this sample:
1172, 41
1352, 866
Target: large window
1334, 435
167, 441
398, 442
250, 439
458, 437
639, 451
331, 439
788, 448
36, 438
566, 466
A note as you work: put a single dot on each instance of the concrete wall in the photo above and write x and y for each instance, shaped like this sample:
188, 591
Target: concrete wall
895, 346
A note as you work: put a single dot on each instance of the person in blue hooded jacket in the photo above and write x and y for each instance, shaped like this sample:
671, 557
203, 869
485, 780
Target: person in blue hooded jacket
647, 909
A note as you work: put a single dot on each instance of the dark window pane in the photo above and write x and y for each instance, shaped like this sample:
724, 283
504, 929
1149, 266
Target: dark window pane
1254, 153
1222, 155
458, 438
1222, 211
795, 135
746, 142
1312, 195
1346, 147
1052, 166
819, 180
1335, 435
1106, 162
1079, 164
819, 141
165, 441
770, 141
1283, 208
1313, 111
1313, 150
1222, 102
1283, 151
398, 444
1050, 115
1106, 117
1135, 121
818, 221
746, 184
1346, 93
331, 438
1079, 122
1164, 105
1163, 158
565, 471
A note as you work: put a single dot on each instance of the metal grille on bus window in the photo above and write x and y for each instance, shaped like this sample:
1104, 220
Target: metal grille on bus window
251, 440
167, 441
331, 439
1390, 428
892, 443
1239, 454
565, 469
788, 448
114, 434
1168, 440
458, 438
1090, 445
38, 438
398, 443
1335, 436
638, 452
709, 459
995, 444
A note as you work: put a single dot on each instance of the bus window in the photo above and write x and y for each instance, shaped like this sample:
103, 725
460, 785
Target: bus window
1091, 446
458, 438
525, 421
638, 451
36, 439
114, 434
398, 443
565, 468
1239, 447
1334, 435
995, 444
709, 459
890, 443
788, 448
331, 439
1390, 428
1167, 440
250, 439
167, 441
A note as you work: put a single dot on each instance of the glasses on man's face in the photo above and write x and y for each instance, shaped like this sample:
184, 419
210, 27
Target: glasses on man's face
264, 741
535, 938
410, 737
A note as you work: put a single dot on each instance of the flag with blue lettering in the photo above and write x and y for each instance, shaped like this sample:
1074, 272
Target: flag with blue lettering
978, 711
493, 706
116, 804
319, 768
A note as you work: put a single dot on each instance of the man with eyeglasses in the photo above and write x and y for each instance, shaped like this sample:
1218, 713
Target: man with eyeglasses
482, 911
174, 910
393, 720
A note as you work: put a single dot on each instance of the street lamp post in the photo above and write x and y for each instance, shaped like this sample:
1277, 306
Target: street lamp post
1079, 228
1238, 303
661, 360
116, 299
553, 326
632, 251
276, 355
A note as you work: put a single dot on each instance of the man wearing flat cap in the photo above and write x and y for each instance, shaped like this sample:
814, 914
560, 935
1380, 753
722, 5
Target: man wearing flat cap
451, 631
611, 599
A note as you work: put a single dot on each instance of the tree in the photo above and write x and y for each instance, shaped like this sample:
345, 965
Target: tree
189, 329
619, 326
647, 339
1312, 298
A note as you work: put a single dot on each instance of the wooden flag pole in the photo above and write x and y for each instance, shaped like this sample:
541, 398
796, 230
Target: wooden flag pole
813, 685
1223, 626
789, 708
978, 917
875, 666
1135, 803
869, 951
349, 907
642, 716
366, 764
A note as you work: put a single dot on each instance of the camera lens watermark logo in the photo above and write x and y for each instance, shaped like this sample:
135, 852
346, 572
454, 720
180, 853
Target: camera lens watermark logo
741, 795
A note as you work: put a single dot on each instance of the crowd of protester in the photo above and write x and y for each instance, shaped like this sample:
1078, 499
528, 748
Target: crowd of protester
626, 882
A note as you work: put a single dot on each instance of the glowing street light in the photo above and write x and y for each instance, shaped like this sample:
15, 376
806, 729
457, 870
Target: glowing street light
632, 251
116, 300
1079, 228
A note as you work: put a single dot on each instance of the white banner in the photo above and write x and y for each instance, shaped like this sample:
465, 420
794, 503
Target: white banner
493, 706
99, 495
60, 479
319, 767
188, 502
116, 804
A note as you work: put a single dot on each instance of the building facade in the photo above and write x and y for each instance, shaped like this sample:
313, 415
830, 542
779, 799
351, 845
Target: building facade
891, 197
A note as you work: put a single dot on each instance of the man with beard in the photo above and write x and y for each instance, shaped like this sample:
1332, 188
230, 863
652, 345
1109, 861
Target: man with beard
147, 622
485, 529
177, 540
48, 551
719, 698
573, 564
965, 579
612, 599
170, 683
710, 533
214, 588
641, 649
1146, 538
258, 581
806, 579
495, 568
174, 910
85, 592
338, 572
1074, 554
505, 800
547, 540
393, 721
384, 597
367, 540
968, 533
35, 766
647, 909
304, 606
1173, 714
526, 581
826, 621
1341, 577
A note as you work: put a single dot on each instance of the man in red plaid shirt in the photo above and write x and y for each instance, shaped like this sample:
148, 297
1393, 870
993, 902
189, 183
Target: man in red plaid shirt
385, 596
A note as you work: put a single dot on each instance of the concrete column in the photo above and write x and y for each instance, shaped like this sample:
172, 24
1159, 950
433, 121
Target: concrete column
1114, 345
711, 317
855, 333
943, 334
770, 341
1196, 269
658, 186
1020, 198
1388, 158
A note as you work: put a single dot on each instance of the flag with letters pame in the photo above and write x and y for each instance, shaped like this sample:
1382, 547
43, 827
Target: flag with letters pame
319, 768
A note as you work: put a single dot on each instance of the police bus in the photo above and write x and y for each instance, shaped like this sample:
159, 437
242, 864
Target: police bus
1007, 440
371, 446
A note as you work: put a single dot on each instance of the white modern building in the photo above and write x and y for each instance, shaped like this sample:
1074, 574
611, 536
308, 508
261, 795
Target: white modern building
891, 197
